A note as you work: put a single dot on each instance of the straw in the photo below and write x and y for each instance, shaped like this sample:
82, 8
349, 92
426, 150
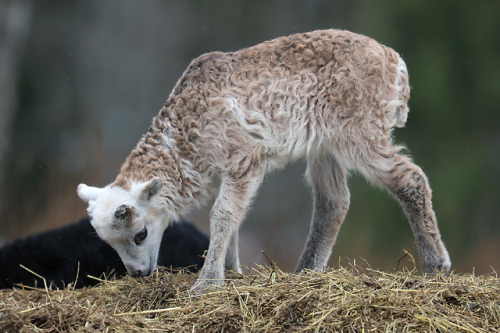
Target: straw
266, 299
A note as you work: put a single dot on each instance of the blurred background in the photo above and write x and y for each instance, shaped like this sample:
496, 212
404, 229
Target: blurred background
80, 82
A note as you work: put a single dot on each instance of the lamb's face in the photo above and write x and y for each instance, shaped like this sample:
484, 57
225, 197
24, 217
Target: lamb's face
128, 220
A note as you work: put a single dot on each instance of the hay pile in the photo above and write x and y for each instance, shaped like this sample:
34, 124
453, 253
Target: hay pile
346, 299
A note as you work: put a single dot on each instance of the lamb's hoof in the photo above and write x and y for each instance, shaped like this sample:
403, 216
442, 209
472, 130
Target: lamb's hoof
233, 275
433, 267
204, 286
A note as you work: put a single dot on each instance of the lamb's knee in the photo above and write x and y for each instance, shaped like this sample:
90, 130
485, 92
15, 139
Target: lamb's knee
406, 181
334, 203
413, 189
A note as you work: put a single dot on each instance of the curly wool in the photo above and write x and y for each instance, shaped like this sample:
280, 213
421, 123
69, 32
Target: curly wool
269, 104
331, 96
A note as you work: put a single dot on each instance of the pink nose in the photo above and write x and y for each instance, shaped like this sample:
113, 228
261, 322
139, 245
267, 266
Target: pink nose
141, 272
137, 270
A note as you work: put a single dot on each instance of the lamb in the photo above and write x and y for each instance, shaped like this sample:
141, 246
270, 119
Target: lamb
330, 96
67, 255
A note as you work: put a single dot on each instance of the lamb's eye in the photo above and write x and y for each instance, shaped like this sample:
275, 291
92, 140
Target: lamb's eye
140, 236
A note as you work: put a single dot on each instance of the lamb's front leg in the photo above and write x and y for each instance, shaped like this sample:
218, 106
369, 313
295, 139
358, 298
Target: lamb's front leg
228, 211
232, 258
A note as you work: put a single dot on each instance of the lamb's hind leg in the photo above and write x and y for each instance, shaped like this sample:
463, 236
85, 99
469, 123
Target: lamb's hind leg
408, 183
331, 202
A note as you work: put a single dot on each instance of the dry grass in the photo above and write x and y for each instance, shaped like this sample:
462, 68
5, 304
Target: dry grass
267, 299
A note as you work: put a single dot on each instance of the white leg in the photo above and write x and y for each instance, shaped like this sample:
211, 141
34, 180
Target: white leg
232, 258
227, 213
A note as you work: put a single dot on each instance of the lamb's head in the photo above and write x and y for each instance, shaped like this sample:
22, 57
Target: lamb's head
131, 220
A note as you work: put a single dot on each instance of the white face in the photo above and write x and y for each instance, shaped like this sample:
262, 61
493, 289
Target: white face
131, 221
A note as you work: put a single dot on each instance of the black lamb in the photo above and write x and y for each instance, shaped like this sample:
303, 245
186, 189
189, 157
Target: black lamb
71, 253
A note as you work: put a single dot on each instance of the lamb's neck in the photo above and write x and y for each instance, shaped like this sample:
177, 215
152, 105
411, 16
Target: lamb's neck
157, 155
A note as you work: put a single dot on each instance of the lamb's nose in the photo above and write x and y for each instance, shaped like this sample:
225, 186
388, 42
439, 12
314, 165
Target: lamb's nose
141, 272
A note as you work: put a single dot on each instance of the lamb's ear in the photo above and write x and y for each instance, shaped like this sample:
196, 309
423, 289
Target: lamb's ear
87, 193
150, 189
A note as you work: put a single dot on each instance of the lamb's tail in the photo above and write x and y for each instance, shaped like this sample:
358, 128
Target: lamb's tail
403, 88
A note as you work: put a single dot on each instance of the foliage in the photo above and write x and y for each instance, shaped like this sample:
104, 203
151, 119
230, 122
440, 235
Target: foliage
89, 76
